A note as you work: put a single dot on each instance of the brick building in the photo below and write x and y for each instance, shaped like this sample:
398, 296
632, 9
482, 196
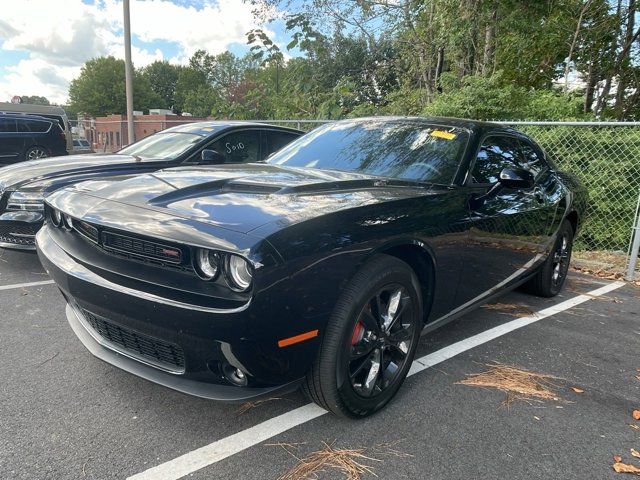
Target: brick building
109, 133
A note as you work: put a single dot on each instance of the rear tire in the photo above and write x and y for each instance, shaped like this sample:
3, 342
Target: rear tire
550, 278
370, 340
33, 153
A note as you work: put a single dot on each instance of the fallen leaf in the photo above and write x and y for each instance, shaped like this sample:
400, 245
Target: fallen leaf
577, 390
625, 468
636, 414
637, 377
635, 453
537, 418
617, 458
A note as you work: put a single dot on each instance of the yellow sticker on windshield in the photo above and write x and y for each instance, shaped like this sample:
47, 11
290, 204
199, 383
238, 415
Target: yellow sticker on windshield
206, 129
443, 134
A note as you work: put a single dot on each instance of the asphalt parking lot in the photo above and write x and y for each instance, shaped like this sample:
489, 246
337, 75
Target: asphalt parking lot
67, 415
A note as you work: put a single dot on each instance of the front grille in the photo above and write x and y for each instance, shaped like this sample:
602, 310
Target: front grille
149, 348
143, 248
18, 234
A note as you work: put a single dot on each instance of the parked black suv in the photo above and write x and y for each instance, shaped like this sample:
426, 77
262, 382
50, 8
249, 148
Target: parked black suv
27, 137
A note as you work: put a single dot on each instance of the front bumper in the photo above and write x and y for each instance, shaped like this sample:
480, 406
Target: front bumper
18, 229
139, 331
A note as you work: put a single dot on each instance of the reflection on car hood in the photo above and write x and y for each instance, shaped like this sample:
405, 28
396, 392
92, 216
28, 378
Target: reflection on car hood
49, 172
241, 197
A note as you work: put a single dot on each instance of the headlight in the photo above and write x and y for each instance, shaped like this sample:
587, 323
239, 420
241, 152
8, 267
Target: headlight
56, 217
26, 201
67, 221
207, 264
238, 272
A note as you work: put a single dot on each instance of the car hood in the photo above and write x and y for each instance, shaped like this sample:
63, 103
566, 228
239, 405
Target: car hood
241, 198
47, 172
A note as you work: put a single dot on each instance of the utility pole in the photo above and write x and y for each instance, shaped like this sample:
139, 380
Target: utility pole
128, 73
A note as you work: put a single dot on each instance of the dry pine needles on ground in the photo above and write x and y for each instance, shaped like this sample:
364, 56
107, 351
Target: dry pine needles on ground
346, 461
517, 383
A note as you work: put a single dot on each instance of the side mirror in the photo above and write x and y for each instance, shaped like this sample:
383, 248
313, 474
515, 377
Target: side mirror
516, 178
211, 157
513, 178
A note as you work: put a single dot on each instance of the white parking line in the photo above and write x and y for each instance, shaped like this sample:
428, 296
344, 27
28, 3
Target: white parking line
228, 446
24, 285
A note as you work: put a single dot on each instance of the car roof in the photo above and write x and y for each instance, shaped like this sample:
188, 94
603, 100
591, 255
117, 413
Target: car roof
26, 116
31, 108
211, 127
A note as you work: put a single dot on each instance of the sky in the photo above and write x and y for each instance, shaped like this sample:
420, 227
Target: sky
44, 43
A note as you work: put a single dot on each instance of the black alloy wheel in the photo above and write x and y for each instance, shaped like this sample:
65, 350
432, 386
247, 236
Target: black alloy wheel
381, 341
550, 277
370, 340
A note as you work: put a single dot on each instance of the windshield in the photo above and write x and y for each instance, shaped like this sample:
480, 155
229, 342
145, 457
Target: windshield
405, 150
162, 145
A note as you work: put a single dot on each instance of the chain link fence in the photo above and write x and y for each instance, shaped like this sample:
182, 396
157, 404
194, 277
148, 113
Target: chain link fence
604, 155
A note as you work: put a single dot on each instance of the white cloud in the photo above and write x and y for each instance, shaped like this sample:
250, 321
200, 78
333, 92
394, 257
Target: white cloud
59, 40
37, 77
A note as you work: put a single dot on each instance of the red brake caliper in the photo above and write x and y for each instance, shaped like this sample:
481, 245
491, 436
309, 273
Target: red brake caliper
358, 332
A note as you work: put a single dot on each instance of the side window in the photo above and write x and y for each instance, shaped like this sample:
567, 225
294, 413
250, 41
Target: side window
57, 118
277, 140
531, 159
238, 147
495, 154
7, 125
23, 126
27, 126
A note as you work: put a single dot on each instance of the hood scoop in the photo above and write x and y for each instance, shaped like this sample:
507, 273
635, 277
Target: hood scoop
215, 187
245, 186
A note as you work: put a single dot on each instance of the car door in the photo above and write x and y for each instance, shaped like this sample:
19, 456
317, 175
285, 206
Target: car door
508, 231
10, 142
238, 146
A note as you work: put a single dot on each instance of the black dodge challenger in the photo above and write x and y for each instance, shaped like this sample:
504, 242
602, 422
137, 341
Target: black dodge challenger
319, 267
23, 185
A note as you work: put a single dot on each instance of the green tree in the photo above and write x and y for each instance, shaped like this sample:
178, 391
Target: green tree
189, 80
35, 100
163, 77
100, 89
200, 101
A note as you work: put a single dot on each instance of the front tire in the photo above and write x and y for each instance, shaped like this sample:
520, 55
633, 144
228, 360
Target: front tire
370, 340
550, 278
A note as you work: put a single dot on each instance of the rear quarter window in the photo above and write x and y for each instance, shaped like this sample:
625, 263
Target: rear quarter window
277, 140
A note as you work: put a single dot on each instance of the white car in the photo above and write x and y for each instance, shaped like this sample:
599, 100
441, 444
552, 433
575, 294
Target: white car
80, 145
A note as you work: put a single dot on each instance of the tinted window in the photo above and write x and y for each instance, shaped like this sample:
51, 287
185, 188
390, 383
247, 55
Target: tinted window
495, 154
7, 125
239, 147
407, 150
33, 126
57, 118
531, 159
277, 140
